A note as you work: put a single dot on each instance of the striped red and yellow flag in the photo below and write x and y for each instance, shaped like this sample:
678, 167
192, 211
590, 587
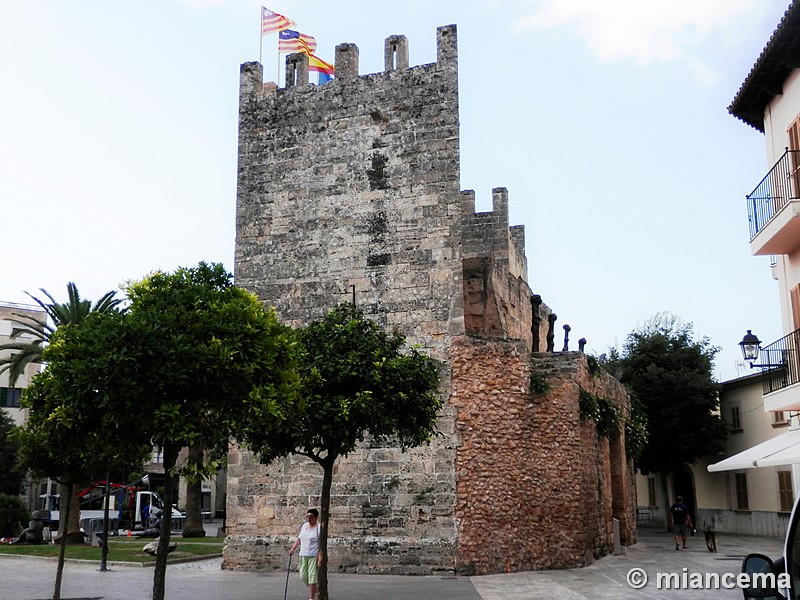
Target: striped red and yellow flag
315, 63
290, 40
272, 22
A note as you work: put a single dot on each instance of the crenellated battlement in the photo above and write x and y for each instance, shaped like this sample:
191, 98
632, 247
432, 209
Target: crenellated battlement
489, 232
360, 178
496, 291
346, 64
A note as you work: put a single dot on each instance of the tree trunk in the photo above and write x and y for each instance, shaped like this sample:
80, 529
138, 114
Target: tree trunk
160, 569
63, 546
324, 516
69, 523
667, 503
193, 526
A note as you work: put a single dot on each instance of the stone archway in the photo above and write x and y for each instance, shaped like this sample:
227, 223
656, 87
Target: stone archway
683, 483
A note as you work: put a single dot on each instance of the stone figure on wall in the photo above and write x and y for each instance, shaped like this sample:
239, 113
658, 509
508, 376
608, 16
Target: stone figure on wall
536, 318
551, 333
33, 534
567, 329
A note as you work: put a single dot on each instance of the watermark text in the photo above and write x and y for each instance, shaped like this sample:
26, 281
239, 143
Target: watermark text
638, 578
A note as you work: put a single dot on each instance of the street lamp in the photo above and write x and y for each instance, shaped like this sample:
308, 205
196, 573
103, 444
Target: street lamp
750, 346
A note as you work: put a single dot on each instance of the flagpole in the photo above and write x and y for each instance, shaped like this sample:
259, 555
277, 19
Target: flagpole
261, 34
278, 52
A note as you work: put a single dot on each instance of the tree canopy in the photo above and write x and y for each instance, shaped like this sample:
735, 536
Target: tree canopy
212, 355
191, 357
671, 373
357, 380
76, 429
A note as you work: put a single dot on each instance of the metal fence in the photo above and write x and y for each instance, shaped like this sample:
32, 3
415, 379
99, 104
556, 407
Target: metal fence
781, 362
778, 187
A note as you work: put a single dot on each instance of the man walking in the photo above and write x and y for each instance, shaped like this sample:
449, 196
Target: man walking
679, 514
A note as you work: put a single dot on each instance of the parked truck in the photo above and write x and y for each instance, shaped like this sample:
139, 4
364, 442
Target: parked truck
128, 507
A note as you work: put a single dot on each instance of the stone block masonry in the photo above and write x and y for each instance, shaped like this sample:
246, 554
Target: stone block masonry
351, 190
355, 183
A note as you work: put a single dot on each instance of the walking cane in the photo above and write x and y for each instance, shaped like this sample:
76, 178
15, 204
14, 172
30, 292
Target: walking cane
288, 570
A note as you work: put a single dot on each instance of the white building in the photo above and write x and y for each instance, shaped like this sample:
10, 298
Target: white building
10, 396
769, 101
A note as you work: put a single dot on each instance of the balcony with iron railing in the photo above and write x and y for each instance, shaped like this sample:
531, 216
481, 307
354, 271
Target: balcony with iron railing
774, 208
781, 363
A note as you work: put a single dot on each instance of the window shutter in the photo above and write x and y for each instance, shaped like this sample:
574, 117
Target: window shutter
794, 296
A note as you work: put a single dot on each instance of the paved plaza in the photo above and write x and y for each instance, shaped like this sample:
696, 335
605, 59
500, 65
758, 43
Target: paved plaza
33, 579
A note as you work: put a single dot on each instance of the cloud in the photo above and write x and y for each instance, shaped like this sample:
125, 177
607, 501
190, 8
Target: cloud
644, 31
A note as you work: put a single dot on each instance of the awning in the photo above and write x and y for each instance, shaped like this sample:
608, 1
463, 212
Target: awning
781, 450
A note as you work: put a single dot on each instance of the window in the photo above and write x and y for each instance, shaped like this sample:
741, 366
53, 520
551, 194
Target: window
736, 419
651, 492
9, 397
785, 490
779, 418
794, 145
740, 486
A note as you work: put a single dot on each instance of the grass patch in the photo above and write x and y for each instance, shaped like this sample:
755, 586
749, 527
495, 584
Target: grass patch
122, 549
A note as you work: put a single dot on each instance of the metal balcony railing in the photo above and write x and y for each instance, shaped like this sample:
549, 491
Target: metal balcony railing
780, 185
781, 362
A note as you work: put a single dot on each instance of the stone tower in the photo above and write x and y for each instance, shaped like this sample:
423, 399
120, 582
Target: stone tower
355, 183
351, 191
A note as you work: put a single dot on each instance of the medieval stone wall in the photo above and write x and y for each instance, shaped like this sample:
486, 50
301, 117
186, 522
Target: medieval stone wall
355, 183
350, 191
497, 299
535, 483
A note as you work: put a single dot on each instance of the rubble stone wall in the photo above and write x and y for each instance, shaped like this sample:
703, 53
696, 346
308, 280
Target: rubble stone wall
535, 485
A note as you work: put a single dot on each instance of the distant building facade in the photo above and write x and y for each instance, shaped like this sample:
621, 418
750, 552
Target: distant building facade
746, 501
769, 101
10, 314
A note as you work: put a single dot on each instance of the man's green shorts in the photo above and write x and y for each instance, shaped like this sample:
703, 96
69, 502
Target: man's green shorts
308, 569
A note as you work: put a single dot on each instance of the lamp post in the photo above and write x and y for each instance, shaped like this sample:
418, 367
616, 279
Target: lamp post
751, 346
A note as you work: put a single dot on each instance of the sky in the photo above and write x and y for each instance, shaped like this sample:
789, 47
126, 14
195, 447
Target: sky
606, 120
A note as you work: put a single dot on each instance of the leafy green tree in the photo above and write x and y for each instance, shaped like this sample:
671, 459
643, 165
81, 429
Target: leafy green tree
25, 351
208, 354
671, 374
192, 355
11, 473
357, 379
73, 432
14, 515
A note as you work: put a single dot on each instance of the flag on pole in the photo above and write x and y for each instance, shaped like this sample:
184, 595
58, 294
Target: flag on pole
290, 40
272, 22
315, 63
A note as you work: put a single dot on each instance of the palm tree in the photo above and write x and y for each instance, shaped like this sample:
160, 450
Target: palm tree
25, 351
